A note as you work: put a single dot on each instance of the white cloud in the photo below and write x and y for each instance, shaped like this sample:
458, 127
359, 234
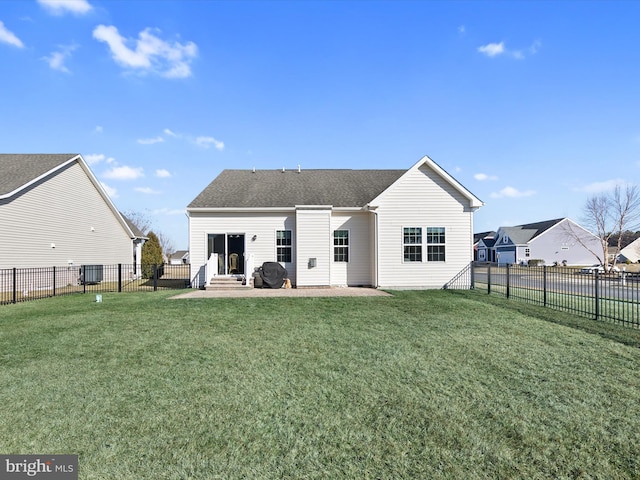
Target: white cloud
531, 50
535, 46
94, 158
6, 36
495, 49
98, 129
483, 176
206, 142
599, 187
151, 54
169, 133
112, 192
60, 7
461, 29
56, 59
162, 173
150, 141
492, 49
147, 190
511, 192
124, 173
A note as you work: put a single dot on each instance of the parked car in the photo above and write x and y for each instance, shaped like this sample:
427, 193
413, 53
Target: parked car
597, 268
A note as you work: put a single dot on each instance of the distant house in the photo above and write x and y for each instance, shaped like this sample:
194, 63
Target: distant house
383, 228
179, 257
558, 241
482, 243
54, 212
631, 252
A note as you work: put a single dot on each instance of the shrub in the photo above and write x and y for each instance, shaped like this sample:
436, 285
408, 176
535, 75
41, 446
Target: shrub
151, 255
536, 262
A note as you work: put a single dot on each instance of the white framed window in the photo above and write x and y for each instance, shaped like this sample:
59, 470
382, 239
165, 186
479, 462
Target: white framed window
412, 244
436, 240
527, 252
341, 245
284, 246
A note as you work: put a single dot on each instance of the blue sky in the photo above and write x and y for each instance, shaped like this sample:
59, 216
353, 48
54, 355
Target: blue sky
533, 106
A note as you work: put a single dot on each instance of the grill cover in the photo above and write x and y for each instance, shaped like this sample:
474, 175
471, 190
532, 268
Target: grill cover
273, 274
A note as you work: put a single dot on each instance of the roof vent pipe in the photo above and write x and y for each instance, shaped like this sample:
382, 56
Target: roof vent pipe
254, 170
298, 168
282, 169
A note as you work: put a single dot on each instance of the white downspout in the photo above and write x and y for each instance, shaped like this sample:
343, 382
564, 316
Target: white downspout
375, 249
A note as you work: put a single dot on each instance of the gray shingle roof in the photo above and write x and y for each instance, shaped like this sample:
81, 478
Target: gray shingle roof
275, 188
16, 170
521, 234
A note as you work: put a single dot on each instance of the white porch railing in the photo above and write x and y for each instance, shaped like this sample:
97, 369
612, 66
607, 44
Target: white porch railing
249, 264
210, 269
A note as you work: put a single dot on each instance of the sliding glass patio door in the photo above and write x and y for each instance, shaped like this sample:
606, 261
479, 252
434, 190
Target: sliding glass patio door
230, 250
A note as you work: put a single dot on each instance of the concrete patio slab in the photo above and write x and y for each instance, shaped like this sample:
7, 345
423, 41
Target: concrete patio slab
285, 292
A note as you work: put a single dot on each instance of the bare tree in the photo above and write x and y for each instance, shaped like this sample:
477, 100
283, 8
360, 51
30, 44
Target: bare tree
608, 215
140, 219
167, 245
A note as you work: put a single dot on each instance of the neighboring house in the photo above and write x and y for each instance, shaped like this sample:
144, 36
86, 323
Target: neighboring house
138, 241
482, 243
558, 241
383, 228
179, 257
54, 212
629, 253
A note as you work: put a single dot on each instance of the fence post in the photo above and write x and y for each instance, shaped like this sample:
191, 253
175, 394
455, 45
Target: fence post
472, 283
155, 277
15, 285
83, 278
489, 279
596, 295
119, 277
508, 285
544, 285
54, 280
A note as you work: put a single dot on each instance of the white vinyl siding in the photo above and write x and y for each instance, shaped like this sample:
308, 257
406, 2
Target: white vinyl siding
313, 233
422, 198
65, 210
262, 226
358, 270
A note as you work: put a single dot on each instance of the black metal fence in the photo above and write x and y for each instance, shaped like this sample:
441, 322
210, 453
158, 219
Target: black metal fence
602, 296
24, 284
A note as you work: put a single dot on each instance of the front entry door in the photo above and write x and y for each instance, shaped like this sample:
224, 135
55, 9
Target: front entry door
230, 250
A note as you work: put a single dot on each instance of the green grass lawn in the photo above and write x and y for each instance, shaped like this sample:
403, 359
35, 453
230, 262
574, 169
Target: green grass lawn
433, 384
